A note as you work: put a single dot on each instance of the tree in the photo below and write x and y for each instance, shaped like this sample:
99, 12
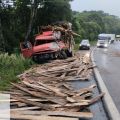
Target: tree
91, 23
55, 11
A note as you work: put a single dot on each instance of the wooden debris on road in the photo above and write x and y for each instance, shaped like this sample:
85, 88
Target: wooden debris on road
46, 90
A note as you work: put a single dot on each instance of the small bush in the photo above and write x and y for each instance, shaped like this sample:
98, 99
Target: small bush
10, 67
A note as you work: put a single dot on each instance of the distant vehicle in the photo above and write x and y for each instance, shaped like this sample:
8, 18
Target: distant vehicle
84, 45
117, 37
111, 38
105, 39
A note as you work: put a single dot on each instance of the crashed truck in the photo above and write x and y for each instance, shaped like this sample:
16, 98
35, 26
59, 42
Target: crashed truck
52, 43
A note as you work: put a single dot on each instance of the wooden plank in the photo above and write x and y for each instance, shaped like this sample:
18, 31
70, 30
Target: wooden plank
77, 79
68, 87
82, 103
61, 71
32, 99
57, 68
56, 113
58, 101
55, 90
39, 117
82, 97
18, 104
81, 68
85, 90
96, 98
40, 88
25, 108
38, 104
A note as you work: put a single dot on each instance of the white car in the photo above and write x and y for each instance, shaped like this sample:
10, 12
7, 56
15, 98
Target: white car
84, 45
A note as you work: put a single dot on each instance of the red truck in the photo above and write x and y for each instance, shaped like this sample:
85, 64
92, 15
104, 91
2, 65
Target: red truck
48, 45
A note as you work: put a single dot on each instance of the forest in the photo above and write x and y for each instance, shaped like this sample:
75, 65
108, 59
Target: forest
91, 23
20, 20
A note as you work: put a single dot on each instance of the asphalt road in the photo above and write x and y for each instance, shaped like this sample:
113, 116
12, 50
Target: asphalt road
108, 63
97, 109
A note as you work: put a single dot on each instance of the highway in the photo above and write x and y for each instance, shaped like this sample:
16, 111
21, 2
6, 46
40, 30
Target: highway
97, 109
108, 63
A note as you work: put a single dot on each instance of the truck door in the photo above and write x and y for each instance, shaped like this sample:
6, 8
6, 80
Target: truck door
26, 49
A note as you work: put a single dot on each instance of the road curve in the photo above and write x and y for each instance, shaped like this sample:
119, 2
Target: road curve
108, 63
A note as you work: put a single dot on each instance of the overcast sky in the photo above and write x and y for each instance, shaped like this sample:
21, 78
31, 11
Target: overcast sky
108, 6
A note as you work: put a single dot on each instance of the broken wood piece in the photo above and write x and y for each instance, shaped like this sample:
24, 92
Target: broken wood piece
55, 90
40, 88
84, 90
93, 100
81, 68
58, 101
70, 99
28, 102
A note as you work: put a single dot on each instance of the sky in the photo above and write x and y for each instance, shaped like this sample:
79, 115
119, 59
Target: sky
108, 6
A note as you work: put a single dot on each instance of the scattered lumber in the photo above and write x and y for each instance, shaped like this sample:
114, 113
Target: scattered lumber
46, 90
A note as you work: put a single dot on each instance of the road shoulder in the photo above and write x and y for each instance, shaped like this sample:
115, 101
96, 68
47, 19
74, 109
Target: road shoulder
107, 100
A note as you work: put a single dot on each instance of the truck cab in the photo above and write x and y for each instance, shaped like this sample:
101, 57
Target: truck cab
47, 45
103, 40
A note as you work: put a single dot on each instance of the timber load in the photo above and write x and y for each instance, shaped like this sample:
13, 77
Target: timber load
52, 42
46, 91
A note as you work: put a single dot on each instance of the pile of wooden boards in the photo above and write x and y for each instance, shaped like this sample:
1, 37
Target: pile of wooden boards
44, 90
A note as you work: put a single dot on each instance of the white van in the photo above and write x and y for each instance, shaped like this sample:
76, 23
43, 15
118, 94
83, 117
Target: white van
103, 40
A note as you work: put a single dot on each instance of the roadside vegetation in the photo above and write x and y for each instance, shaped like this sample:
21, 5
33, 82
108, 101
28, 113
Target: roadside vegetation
91, 23
11, 66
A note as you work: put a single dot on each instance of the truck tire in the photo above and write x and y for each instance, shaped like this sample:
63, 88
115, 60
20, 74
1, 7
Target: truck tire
69, 54
35, 59
62, 55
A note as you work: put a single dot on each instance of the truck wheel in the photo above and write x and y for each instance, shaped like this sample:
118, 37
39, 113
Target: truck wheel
35, 59
51, 56
62, 55
69, 54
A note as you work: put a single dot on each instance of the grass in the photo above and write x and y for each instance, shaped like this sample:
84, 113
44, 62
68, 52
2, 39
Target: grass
10, 67
76, 47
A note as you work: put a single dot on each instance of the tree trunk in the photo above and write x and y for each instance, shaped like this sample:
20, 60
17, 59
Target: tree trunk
32, 18
2, 41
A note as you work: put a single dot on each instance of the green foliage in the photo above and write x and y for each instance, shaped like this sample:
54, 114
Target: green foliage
10, 66
76, 48
15, 19
91, 23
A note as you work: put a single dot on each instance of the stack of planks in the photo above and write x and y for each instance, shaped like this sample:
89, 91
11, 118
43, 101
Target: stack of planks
44, 91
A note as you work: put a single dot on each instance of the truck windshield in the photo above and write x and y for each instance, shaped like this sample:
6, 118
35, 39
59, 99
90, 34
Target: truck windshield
103, 38
40, 42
